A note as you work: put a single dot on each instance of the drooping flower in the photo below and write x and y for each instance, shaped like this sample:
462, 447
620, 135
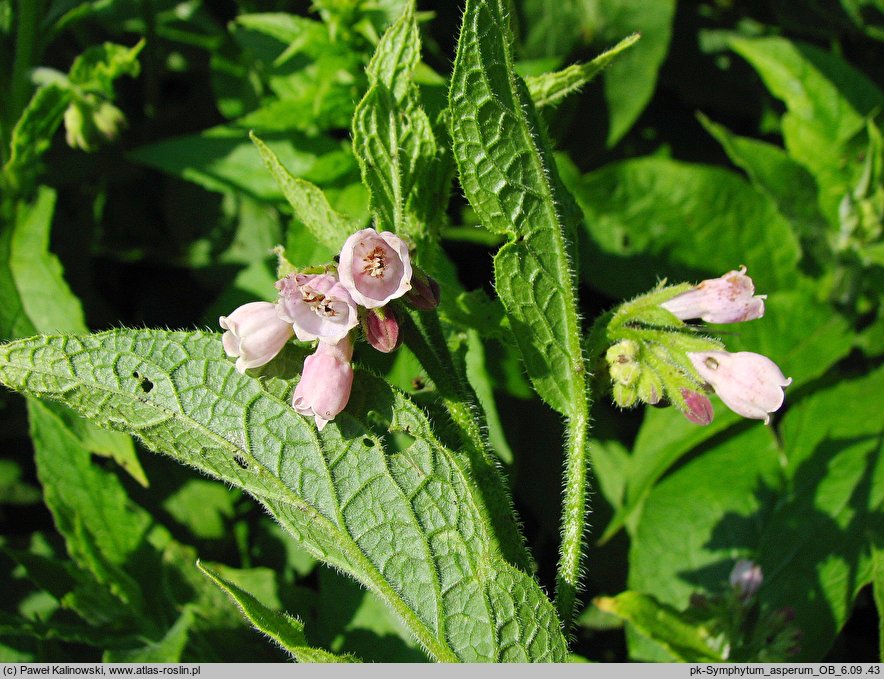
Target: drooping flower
425, 293
381, 329
746, 577
325, 383
749, 384
255, 334
375, 267
318, 307
729, 299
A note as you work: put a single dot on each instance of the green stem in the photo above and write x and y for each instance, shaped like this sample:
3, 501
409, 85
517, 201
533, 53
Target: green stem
26, 48
574, 510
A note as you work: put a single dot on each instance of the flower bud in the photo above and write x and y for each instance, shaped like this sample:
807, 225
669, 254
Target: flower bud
424, 293
650, 387
89, 120
255, 334
624, 396
622, 364
746, 578
729, 299
381, 329
699, 407
749, 384
325, 383
375, 268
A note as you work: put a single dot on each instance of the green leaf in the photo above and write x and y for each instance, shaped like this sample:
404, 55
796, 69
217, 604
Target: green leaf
773, 172
827, 102
700, 518
98, 67
309, 202
631, 80
814, 548
223, 159
653, 217
683, 639
166, 650
407, 525
33, 133
550, 88
392, 134
506, 173
285, 630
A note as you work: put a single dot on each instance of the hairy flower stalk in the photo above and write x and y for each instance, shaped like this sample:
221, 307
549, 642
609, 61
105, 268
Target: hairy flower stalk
255, 334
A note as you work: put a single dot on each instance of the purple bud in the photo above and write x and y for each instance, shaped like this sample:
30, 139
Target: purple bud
381, 329
699, 408
424, 293
746, 578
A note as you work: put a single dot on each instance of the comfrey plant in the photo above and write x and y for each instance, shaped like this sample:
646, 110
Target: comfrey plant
403, 490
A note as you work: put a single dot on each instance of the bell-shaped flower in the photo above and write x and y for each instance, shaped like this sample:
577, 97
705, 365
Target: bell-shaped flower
749, 384
325, 383
318, 307
255, 334
375, 267
729, 299
746, 577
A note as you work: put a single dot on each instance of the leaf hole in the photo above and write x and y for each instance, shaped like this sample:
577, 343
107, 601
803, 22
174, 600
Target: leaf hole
367, 442
145, 384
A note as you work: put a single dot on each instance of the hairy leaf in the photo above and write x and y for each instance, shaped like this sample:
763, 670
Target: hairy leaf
285, 630
550, 88
407, 525
506, 173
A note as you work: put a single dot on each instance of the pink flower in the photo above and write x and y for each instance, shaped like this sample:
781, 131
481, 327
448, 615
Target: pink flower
325, 383
746, 577
729, 299
375, 267
749, 384
255, 334
318, 307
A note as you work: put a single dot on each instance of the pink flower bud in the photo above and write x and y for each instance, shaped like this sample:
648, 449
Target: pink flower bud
325, 383
746, 577
729, 299
318, 307
425, 293
699, 408
255, 334
375, 267
381, 329
749, 384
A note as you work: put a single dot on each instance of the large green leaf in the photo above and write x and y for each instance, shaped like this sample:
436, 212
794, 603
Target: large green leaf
392, 134
507, 175
407, 525
827, 101
653, 217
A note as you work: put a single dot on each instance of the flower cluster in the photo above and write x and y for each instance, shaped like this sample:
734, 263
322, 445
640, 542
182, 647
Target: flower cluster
651, 354
373, 270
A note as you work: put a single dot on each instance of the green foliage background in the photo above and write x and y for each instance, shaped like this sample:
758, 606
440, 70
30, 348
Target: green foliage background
728, 134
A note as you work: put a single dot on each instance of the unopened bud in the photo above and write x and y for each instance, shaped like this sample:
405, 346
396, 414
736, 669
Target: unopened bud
425, 293
699, 407
381, 329
650, 387
622, 366
624, 396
